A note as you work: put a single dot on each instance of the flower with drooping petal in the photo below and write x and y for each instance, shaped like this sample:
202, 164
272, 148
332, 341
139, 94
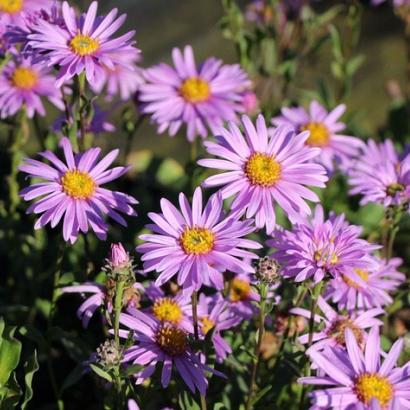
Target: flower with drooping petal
333, 332
318, 247
156, 342
201, 97
175, 310
365, 289
381, 175
13, 11
214, 315
354, 379
196, 244
324, 128
85, 44
23, 84
73, 190
101, 296
264, 170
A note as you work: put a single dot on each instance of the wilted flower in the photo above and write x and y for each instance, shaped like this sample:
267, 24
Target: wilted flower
84, 44
196, 244
263, 170
364, 289
108, 354
73, 189
22, 85
354, 379
267, 270
335, 324
317, 247
202, 97
324, 128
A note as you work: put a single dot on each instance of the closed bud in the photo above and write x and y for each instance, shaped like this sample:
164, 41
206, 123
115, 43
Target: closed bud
119, 257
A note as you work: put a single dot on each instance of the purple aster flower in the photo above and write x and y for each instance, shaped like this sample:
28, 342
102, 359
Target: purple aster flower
84, 44
157, 342
354, 379
241, 297
101, 296
319, 247
325, 129
196, 244
381, 176
13, 11
214, 314
132, 405
396, 3
23, 84
333, 332
73, 190
201, 97
364, 289
263, 170
175, 310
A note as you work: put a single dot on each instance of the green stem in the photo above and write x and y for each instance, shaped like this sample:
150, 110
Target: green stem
54, 297
194, 300
81, 104
130, 137
117, 311
313, 309
257, 351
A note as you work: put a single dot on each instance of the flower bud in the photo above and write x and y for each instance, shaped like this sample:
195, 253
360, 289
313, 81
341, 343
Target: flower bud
119, 257
250, 103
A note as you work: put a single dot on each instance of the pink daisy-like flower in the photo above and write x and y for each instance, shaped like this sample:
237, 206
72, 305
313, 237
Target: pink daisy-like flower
175, 310
13, 11
23, 84
196, 244
263, 170
214, 315
73, 190
317, 247
157, 342
365, 289
201, 97
381, 176
241, 297
358, 380
84, 44
335, 324
324, 128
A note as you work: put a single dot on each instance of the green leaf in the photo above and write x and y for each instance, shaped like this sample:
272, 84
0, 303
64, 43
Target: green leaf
10, 350
101, 372
186, 402
261, 393
169, 172
73, 377
10, 394
30, 367
130, 370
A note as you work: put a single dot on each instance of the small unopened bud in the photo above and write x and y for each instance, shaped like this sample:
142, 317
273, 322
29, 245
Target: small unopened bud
267, 270
119, 257
108, 354
250, 103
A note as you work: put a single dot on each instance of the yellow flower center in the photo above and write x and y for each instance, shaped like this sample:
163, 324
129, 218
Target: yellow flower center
171, 340
197, 241
321, 256
11, 6
167, 310
83, 45
369, 386
207, 324
240, 290
319, 134
395, 188
24, 78
77, 184
195, 90
262, 169
337, 331
360, 272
